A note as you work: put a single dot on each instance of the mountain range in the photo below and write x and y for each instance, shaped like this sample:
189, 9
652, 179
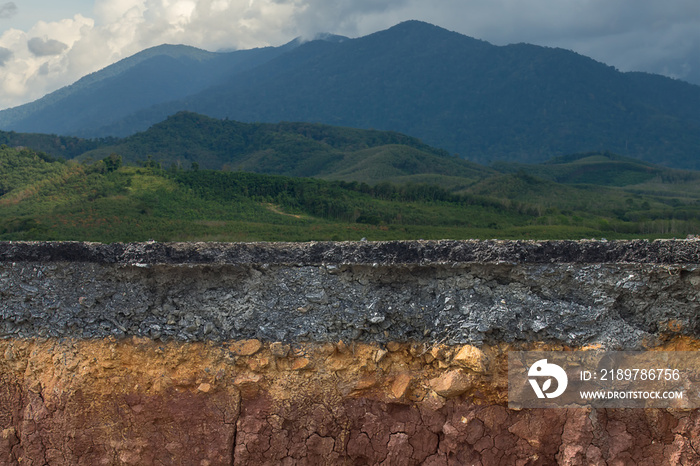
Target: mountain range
486, 103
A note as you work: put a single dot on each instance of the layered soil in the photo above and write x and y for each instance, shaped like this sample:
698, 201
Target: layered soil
138, 401
330, 353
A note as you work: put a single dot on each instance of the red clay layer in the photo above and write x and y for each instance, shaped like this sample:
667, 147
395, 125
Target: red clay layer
142, 402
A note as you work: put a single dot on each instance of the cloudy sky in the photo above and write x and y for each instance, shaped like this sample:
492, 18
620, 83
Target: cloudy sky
47, 44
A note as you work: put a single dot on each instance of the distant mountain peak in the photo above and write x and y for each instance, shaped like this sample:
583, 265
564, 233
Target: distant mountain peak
425, 32
322, 36
416, 24
520, 102
328, 37
175, 51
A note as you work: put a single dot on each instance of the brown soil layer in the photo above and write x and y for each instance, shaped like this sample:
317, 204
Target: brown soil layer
140, 401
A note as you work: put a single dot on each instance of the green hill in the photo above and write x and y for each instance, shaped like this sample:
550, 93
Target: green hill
44, 199
21, 167
291, 149
601, 168
66, 147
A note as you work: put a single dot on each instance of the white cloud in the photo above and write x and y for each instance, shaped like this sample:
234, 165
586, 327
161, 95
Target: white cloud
39, 59
54, 54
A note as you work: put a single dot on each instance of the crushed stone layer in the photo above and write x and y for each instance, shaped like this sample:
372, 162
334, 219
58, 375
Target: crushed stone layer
138, 401
622, 295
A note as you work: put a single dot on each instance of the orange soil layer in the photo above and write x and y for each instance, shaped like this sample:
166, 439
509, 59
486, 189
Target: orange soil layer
138, 401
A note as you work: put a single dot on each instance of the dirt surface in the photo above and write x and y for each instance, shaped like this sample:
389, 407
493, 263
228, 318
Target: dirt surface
142, 402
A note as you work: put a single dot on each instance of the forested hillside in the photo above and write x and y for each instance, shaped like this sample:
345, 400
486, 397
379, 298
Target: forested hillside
292, 149
106, 200
155, 75
520, 102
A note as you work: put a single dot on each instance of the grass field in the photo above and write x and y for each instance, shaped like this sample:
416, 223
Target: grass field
45, 199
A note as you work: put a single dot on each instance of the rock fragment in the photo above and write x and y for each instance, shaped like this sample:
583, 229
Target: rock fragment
450, 384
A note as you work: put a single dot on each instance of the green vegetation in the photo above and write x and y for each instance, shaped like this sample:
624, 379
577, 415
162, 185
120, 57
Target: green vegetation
19, 167
602, 168
65, 147
107, 201
292, 149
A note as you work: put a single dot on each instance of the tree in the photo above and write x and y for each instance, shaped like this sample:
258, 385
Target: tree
150, 163
112, 162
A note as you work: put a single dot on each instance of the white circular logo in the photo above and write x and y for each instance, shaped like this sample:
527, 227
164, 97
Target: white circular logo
543, 370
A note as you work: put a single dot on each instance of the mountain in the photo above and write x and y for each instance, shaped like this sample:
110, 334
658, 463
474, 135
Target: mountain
155, 75
517, 102
291, 149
